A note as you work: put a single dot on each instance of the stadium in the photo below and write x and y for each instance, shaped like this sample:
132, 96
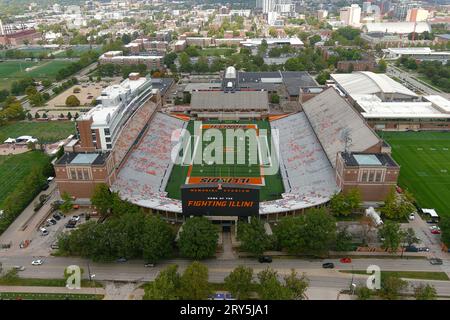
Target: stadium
301, 159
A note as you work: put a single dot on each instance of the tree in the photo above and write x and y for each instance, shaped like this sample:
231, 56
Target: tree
194, 283
253, 236
274, 98
391, 287
382, 66
198, 239
343, 240
165, 286
312, 232
239, 282
270, 288
345, 203
67, 205
297, 285
392, 236
157, 239
102, 199
397, 206
410, 237
425, 292
72, 101
444, 224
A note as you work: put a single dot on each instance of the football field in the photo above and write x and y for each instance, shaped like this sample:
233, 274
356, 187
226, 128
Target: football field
235, 159
424, 158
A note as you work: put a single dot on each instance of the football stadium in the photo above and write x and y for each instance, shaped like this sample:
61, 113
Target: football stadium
226, 155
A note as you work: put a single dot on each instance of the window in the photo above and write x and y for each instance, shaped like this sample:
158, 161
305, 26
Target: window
378, 176
73, 174
86, 174
107, 133
108, 146
371, 176
364, 176
108, 139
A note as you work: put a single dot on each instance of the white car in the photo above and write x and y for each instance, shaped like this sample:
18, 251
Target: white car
412, 216
37, 262
435, 228
75, 218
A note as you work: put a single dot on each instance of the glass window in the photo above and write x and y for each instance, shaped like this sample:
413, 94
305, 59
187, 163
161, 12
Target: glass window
364, 176
86, 174
73, 174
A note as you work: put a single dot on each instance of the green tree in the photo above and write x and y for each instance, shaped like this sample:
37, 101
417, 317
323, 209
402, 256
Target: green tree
194, 283
165, 286
270, 288
102, 199
239, 282
72, 101
274, 98
345, 203
297, 285
343, 240
312, 232
391, 287
157, 239
198, 239
253, 236
382, 66
397, 206
425, 292
392, 236
410, 237
67, 204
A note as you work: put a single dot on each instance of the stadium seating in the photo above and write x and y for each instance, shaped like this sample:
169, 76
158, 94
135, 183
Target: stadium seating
146, 170
132, 129
304, 166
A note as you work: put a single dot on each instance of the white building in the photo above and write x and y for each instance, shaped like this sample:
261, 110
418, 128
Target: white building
351, 16
115, 105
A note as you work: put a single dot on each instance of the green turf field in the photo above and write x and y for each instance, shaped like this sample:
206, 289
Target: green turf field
48, 69
424, 158
50, 131
273, 183
13, 169
15, 69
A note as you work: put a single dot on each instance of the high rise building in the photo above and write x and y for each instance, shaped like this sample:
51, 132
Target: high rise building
351, 16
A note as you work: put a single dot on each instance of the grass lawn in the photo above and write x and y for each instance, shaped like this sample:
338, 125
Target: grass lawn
48, 296
273, 184
15, 69
424, 158
48, 69
14, 169
32, 282
425, 275
50, 131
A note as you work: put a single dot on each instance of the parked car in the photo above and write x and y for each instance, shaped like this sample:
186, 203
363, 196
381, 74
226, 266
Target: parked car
56, 217
51, 221
346, 260
75, 218
412, 216
120, 260
54, 246
149, 265
70, 225
44, 231
37, 262
328, 265
411, 249
423, 249
265, 259
435, 261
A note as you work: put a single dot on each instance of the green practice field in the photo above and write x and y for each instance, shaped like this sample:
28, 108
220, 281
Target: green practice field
14, 168
424, 158
271, 185
49, 131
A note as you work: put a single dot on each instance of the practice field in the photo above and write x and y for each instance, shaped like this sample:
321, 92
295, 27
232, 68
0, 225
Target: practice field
13, 70
49, 131
13, 169
240, 171
424, 158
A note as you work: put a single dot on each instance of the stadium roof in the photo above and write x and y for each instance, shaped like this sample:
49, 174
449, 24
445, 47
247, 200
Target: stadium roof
366, 82
218, 100
338, 125
397, 27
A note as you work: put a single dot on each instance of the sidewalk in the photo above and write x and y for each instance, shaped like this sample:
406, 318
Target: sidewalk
32, 289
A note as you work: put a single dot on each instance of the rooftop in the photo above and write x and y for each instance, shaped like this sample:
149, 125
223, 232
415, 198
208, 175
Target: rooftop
368, 159
230, 101
83, 158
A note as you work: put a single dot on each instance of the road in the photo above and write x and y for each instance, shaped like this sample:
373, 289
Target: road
413, 82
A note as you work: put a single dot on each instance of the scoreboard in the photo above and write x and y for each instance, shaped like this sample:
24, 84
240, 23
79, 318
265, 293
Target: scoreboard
216, 199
